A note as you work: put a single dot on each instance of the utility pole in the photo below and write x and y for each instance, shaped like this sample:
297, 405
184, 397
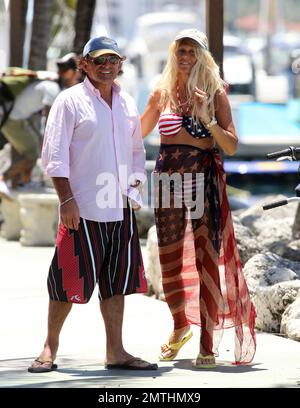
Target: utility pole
214, 32
270, 29
214, 29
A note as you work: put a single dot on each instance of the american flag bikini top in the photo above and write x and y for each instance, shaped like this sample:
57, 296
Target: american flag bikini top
170, 123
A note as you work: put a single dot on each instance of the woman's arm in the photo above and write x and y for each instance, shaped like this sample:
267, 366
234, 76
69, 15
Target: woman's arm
224, 131
150, 117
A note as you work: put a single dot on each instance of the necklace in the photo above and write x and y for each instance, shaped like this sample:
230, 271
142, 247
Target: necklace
183, 107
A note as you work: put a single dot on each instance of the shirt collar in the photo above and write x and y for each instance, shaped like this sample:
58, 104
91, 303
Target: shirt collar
87, 83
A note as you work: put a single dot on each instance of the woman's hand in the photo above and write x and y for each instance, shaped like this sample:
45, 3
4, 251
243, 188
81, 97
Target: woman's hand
200, 98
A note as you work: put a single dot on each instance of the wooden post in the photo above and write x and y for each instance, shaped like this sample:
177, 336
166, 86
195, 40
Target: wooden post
214, 29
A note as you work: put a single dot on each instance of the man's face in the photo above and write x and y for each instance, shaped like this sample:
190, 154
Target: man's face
67, 76
102, 70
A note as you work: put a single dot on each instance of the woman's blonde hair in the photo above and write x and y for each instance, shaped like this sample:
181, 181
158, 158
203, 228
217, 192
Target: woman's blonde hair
204, 75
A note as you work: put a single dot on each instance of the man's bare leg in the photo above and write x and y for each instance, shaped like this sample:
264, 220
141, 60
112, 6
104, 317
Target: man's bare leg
112, 310
58, 312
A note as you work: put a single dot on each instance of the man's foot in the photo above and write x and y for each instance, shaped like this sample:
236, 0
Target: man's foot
134, 363
45, 362
126, 361
177, 339
207, 361
39, 366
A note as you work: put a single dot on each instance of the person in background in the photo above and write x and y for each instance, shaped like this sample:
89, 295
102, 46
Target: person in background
202, 275
24, 133
68, 71
93, 135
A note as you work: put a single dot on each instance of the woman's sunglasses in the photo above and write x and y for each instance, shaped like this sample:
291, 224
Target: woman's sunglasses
112, 59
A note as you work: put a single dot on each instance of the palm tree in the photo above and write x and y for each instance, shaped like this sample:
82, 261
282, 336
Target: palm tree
40, 34
17, 11
83, 23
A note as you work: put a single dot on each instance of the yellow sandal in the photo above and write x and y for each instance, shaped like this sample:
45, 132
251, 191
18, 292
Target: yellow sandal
200, 361
175, 347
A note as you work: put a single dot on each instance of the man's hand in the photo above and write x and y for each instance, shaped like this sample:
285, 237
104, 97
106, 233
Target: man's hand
134, 205
69, 215
138, 186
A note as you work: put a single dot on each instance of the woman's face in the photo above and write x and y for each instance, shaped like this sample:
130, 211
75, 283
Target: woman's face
186, 58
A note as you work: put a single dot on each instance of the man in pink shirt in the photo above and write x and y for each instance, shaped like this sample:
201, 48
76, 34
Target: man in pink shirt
93, 151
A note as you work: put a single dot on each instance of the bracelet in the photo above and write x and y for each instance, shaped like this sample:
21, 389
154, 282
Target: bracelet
211, 123
66, 201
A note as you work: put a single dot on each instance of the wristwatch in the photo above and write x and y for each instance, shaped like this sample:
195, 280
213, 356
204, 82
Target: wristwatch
211, 123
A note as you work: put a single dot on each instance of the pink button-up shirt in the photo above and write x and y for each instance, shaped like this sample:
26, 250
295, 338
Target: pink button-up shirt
100, 150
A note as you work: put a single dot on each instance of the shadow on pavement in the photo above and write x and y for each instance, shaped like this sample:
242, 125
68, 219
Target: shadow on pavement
69, 376
222, 367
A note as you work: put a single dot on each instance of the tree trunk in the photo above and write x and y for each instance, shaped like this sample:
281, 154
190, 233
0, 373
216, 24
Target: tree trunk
40, 34
17, 11
83, 23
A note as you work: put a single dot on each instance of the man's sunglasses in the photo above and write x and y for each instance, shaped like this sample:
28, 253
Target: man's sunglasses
112, 59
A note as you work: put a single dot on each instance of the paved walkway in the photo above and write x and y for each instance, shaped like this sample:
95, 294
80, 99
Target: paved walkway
23, 309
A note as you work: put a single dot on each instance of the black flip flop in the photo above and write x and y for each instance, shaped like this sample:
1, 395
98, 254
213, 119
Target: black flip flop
41, 369
129, 365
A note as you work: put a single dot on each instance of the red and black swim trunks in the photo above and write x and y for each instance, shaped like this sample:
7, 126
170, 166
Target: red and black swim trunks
107, 253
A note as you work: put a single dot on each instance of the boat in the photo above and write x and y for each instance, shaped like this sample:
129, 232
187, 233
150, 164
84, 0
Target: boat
152, 36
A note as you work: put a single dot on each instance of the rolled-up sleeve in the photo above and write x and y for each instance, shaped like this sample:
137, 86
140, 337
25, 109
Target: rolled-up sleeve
57, 139
139, 156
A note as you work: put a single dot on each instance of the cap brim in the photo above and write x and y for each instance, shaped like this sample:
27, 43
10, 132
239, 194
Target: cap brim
98, 53
180, 37
190, 37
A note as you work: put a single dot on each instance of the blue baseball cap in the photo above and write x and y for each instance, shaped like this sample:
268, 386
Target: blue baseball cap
101, 45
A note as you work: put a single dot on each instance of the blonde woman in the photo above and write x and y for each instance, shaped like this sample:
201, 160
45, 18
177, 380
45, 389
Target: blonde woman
201, 270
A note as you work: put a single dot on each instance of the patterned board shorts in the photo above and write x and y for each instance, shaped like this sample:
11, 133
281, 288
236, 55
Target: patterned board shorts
108, 253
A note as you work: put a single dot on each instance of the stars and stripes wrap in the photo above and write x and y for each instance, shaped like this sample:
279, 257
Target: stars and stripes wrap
202, 274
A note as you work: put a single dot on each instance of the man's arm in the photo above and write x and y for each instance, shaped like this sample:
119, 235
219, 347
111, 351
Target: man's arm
55, 158
68, 210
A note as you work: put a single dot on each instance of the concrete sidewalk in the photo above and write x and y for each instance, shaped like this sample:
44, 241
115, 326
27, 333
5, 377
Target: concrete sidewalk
147, 324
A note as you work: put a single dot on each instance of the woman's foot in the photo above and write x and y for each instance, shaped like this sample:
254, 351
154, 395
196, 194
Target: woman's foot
205, 361
177, 339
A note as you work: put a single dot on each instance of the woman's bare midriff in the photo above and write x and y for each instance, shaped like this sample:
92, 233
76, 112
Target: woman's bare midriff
183, 137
